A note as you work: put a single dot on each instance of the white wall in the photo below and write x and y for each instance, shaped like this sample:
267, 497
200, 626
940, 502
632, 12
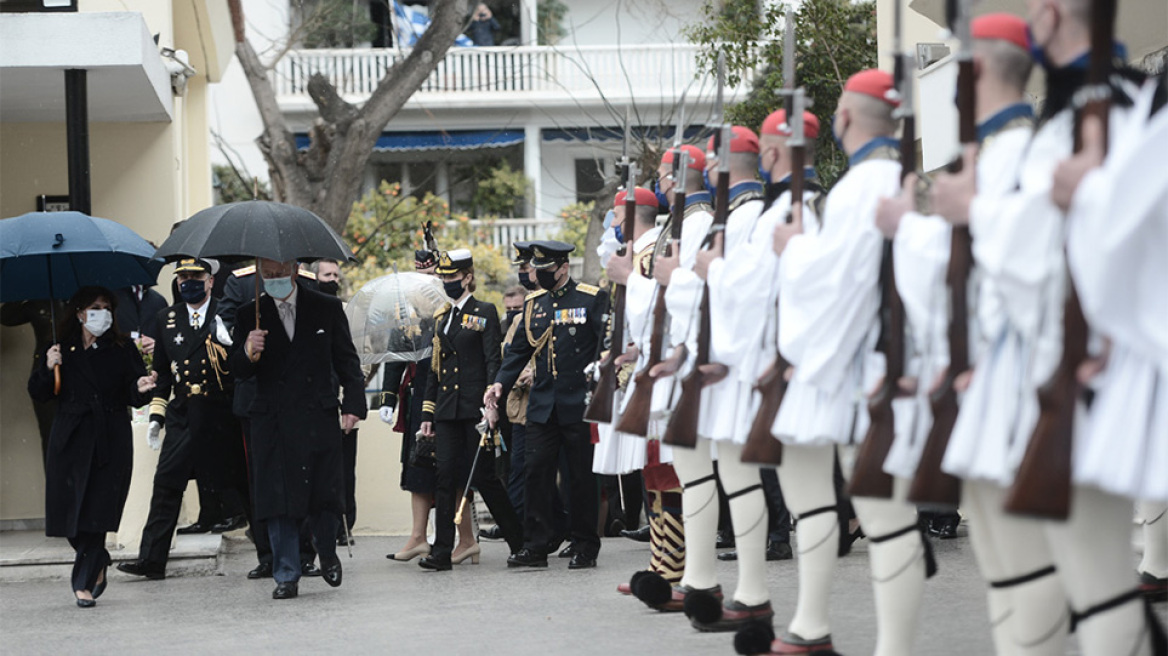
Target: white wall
232, 113
605, 22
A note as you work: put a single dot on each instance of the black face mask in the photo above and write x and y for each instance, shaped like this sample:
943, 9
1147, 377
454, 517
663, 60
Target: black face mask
330, 287
546, 278
528, 284
511, 314
192, 291
453, 288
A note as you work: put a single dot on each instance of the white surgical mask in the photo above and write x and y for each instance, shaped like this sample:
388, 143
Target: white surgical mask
98, 321
278, 287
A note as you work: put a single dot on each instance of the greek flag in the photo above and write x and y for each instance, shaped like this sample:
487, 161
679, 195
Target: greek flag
409, 24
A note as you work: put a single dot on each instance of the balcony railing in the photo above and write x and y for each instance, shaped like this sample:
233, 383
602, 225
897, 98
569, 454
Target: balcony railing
581, 71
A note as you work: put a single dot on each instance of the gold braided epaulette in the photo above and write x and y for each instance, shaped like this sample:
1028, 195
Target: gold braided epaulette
587, 289
244, 271
534, 294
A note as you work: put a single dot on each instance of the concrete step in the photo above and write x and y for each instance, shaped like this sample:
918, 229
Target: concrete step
30, 556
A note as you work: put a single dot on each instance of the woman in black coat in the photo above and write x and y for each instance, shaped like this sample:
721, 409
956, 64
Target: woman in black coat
91, 456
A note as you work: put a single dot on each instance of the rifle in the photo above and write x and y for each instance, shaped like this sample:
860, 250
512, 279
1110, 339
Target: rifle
428, 237
930, 484
635, 420
682, 429
761, 446
1042, 486
869, 478
599, 410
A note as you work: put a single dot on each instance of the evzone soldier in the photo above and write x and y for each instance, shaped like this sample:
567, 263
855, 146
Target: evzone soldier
562, 327
1019, 236
1024, 599
827, 331
190, 360
619, 453
698, 593
1019, 248
466, 356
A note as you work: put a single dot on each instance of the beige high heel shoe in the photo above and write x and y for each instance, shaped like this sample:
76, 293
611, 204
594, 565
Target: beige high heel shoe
471, 552
410, 554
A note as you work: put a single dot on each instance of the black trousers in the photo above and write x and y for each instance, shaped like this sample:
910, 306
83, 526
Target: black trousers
454, 450
349, 452
90, 560
545, 442
778, 519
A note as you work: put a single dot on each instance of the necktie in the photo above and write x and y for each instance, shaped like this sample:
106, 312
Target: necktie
453, 319
196, 320
288, 317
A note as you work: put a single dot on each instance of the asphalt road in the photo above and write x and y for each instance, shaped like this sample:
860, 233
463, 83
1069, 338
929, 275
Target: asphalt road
387, 607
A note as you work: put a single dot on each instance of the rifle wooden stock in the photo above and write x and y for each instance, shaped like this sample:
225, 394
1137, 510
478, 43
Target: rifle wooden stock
761, 447
1042, 486
599, 410
930, 484
682, 429
635, 419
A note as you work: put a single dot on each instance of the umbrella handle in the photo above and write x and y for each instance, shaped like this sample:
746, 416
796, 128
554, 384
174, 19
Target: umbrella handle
56, 379
257, 302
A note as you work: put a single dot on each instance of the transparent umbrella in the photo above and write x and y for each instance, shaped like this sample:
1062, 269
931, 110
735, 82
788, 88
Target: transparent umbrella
392, 317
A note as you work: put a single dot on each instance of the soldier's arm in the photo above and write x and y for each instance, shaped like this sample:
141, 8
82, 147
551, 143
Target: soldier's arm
391, 378
518, 353
493, 342
241, 365
347, 364
165, 382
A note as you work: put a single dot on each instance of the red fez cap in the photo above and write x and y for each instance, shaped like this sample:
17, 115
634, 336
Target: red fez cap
697, 159
776, 124
645, 198
742, 140
1004, 27
875, 83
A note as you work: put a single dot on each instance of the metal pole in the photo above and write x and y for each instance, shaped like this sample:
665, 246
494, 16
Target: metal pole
77, 139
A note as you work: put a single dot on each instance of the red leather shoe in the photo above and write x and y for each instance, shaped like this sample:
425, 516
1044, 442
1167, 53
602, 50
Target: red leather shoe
625, 589
733, 616
793, 644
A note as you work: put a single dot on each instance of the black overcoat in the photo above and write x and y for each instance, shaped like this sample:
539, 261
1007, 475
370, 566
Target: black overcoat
295, 453
91, 452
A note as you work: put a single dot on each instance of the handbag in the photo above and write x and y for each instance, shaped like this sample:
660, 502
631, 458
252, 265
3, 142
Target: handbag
422, 453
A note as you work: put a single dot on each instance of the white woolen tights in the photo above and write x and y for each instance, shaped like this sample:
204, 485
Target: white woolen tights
1093, 552
898, 568
1028, 619
699, 508
1155, 517
806, 480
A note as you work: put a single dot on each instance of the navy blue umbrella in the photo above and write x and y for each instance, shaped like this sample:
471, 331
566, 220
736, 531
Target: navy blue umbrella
50, 255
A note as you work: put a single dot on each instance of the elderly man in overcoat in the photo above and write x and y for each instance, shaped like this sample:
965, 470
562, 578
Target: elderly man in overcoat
302, 342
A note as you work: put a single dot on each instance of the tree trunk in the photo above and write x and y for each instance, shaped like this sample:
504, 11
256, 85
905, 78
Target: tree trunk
326, 178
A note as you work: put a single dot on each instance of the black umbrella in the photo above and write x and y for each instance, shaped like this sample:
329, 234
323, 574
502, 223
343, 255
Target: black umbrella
255, 228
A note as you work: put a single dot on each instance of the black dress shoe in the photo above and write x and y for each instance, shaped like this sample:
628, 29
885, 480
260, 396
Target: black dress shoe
493, 533
580, 561
309, 569
332, 572
567, 552
289, 590
944, 527
194, 529
846, 540
436, 563
638, 535
138, 568
345, 541
725, 540
728, 555
230, 524
779, 551
527, 558
86, 603
262, 571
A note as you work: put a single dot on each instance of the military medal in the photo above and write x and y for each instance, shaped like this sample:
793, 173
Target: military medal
178, 339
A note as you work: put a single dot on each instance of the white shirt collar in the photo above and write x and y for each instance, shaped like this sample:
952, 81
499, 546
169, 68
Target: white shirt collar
461, 304
202, 309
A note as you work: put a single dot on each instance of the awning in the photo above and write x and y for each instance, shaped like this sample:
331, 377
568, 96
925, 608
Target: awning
397, 142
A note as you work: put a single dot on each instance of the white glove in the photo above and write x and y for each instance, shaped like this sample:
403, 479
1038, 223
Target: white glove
387, 414
153, 435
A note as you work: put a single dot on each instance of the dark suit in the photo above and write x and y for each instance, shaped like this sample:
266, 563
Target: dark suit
296, 454
202, 437
561, 331
467, 348
136, 316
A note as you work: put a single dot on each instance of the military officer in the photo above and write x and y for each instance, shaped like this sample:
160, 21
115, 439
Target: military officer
190, 360
563, 324
467, 351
